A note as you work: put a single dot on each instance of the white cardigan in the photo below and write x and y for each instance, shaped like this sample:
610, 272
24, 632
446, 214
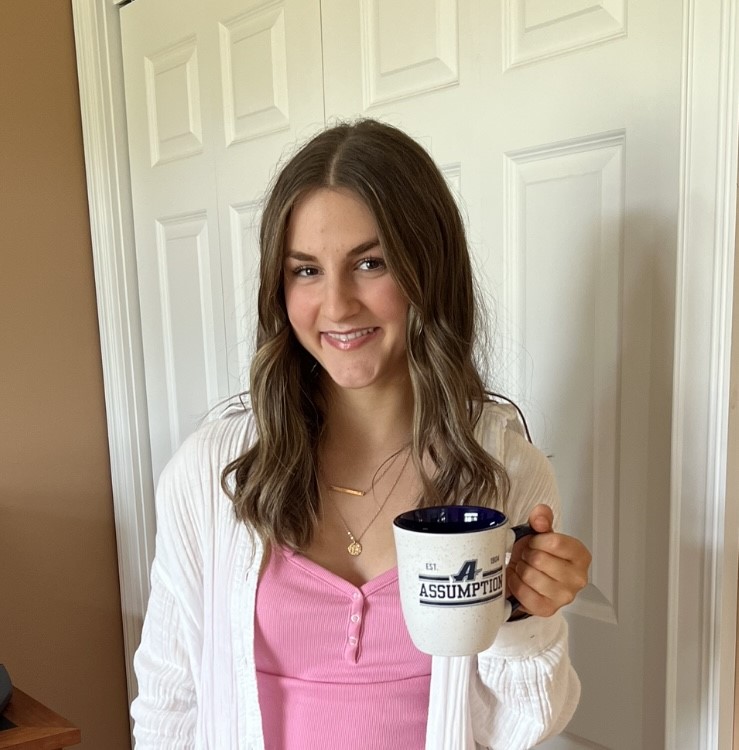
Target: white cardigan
195, 666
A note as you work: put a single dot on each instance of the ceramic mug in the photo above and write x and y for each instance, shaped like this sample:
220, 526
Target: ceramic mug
451, 574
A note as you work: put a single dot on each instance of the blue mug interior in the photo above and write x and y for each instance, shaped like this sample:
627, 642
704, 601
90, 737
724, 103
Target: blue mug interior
450, 519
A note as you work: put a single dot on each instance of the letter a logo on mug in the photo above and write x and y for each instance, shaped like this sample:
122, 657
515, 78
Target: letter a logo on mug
451, 574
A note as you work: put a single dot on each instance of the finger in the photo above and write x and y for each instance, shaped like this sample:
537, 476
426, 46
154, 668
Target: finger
519, 547
560, 545
531, 600
547, 573
546, 541
541, 518
542, 595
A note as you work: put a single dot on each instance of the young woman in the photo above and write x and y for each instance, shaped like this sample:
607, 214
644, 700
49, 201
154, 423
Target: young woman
274, 619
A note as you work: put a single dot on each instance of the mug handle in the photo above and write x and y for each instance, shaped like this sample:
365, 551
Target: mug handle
519, 532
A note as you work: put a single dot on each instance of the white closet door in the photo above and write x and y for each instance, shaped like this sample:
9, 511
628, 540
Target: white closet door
557, 124
214, 94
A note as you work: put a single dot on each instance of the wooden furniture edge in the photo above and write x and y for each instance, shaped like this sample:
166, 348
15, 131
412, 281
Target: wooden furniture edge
37, 726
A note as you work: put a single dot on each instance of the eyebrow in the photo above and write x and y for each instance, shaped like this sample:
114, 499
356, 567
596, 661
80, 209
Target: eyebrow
358, 250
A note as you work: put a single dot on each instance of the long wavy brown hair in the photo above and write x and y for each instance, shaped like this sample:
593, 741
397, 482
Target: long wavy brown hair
274, 485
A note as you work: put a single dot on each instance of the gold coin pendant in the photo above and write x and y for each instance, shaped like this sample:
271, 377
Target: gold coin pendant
354, 549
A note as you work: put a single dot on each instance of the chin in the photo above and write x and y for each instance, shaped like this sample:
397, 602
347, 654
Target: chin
352, 384
350, 381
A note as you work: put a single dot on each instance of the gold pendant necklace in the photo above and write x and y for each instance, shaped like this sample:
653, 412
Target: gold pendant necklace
355, 544
387, 463
347, 490
355, 548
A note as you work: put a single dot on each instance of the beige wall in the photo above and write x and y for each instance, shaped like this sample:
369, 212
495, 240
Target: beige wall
60, 624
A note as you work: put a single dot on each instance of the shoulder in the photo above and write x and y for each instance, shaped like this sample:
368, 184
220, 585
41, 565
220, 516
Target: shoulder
502, 433
194, 471
505, 413
222, 438
500, 430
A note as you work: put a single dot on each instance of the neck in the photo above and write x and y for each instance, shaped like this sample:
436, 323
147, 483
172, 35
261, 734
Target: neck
376, 422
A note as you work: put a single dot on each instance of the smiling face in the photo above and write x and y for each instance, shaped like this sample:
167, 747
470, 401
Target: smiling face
343, 303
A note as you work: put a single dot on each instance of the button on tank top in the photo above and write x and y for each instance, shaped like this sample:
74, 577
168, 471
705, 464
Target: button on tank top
336, 667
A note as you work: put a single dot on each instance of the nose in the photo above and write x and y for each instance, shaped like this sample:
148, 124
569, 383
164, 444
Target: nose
340, 299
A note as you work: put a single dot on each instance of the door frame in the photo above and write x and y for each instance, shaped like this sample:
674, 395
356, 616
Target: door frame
704, 545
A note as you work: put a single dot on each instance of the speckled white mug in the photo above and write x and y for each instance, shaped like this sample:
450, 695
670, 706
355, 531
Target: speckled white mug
451, 573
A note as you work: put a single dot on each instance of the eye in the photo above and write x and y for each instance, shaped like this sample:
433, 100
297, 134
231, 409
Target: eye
304, 271
371, 264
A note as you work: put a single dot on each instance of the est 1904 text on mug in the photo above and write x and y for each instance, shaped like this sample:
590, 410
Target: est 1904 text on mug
451, 574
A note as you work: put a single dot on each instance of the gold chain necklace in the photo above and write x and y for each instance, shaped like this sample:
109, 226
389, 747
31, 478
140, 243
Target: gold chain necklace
355, 546
388, 463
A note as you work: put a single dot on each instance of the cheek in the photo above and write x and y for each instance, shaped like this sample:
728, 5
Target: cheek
298, 307
395, 305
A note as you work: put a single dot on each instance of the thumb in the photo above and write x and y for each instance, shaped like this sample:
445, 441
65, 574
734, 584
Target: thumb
541, 518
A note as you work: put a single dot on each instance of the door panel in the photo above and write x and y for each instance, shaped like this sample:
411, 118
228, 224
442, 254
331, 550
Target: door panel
171, 139
215, 92
271, 77
551, 153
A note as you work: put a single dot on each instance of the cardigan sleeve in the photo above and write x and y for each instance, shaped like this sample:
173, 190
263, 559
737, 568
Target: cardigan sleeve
525, 688
166, 665
164, 711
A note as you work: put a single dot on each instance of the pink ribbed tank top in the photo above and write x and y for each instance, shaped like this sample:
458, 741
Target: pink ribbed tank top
335, 665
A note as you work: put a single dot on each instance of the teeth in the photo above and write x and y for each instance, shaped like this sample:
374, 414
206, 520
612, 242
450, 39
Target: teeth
344, 337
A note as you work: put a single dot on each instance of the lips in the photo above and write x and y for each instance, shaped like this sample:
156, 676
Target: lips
347, 341
345, 338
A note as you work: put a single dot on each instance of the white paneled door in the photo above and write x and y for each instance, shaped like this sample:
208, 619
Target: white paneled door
557, 126
215, 93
